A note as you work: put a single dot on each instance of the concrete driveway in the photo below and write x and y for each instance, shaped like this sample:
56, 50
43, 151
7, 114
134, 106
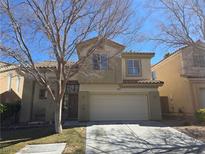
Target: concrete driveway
139, 137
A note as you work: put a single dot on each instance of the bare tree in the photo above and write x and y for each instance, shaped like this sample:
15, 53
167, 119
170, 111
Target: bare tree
183, 22
57, 26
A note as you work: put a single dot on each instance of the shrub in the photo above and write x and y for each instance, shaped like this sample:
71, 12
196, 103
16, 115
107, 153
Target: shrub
2, 108
10, 110
200, 115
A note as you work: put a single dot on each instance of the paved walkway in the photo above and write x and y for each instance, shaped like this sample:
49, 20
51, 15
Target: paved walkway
142, 137
56, 148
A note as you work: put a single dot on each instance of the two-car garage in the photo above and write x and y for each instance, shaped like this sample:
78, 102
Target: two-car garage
118, 106
112, 102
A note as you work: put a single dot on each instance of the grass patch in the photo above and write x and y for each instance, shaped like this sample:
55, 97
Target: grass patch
12, 141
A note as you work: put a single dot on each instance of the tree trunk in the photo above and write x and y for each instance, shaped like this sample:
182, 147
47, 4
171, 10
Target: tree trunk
58, 115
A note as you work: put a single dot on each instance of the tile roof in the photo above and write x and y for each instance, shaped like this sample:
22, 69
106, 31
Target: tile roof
7, 67
45, 64
201, 43
138, 53
94, 39
143, 82
51, 64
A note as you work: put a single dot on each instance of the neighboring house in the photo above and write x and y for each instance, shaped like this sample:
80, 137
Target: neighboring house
111, 85
11, 83
183, 73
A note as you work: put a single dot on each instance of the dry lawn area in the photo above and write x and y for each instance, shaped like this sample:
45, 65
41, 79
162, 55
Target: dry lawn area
197, 132
187, 125
13, 140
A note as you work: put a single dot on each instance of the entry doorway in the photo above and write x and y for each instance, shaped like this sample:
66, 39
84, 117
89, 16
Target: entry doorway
70, 102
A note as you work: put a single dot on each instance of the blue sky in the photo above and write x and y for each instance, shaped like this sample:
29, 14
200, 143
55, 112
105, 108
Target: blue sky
149, 27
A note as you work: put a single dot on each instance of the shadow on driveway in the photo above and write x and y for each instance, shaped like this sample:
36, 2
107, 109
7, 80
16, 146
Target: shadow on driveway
139, 138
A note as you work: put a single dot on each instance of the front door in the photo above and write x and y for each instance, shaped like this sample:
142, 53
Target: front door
70, 104
73, 106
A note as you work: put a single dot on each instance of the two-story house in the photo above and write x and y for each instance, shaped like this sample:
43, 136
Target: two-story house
111, 85
11, 83
183, 73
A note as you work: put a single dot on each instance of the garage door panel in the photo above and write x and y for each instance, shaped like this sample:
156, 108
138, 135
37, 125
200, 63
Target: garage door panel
118, 107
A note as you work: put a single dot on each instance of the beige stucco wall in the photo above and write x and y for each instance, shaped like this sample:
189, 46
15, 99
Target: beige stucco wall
111, 88
154, 105
87, 89
117, 66
145, 68
176, 87
116, 72
188, 68
42, 105
197, 85
4, 82
83, 106
33, 106
113, 75
107, 48
26, 106
4, 76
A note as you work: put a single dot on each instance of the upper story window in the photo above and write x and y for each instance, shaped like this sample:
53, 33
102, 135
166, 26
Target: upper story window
154, 75
199, 60
133, 67
100, 61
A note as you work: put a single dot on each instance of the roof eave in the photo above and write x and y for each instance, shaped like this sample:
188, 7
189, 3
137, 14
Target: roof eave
86, 42
138, 54
141, 85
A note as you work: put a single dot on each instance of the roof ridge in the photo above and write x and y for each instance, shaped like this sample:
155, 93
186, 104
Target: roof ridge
171, 54
53, 61
138, 51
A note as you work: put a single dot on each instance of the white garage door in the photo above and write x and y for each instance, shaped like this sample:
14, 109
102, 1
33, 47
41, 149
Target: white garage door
118, 107
202, 97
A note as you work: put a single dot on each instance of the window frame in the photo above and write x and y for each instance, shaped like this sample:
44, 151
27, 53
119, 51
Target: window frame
154, 75
197, 60
100, 62
139, 65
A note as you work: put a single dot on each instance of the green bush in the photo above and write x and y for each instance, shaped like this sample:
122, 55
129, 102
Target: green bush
200, 115
9, 110
2, 108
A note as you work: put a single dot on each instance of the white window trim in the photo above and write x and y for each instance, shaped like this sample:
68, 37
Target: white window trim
154, 75
100, 62
133, 75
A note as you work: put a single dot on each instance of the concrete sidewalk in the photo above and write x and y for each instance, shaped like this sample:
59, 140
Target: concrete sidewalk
139, 138
55, 148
